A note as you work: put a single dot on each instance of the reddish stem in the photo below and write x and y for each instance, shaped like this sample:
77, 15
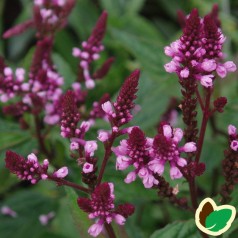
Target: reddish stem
199, 99
206, 114
108, 152
63, 182
109, 230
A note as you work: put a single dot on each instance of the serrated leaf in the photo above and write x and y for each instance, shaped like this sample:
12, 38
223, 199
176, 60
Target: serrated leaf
217, 220
178, 229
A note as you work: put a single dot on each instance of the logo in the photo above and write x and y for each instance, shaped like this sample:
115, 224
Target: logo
212, 219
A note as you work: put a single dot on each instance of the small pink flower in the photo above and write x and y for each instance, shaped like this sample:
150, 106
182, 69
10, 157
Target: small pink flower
107, 107
89, 83
74, 145
103, 135
221, 71
76, 52
231, 130
32, 157
189, 147
234, 145
119, 219
61, 173
87, 168
122, 162
167, 131
157, 166
184, 73
230, 66
95, 229
209, 65
175, 173
171, 67
90, 147
207, 80
130, 177
149, 181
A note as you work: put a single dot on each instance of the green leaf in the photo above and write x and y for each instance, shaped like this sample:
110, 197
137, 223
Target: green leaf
178, 229
11, 135
217, 220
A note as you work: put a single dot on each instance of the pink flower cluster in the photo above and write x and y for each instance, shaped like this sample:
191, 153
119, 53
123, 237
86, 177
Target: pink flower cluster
11, 83
148, 156
31, 169
101, 207
198, 52
90, 51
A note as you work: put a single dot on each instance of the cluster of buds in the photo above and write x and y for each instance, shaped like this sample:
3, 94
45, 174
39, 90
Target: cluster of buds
101, 207
198, 52
119, 113
91, 51
230, 165
48, 17
149, 155
31, 169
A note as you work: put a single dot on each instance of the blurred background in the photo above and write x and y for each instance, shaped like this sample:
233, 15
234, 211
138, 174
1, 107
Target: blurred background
138, 31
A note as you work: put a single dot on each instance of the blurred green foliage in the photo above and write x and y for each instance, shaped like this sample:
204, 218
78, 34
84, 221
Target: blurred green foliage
138, 31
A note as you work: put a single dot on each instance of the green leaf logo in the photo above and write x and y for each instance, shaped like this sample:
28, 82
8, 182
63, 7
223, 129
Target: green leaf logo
212, 219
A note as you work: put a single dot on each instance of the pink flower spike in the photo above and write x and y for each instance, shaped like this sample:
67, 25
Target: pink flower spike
61, 173
230, 66
221, 71
74, 145
206, 80
103, 135
189, 147
107, 107
184, 73
231, 130
175, 173
130, 177
234, 145
119, 219
95, 229
87, 168
167, 130
90, 147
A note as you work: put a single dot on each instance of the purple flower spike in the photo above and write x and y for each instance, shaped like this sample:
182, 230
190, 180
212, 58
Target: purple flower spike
119, 113
29, 169
101, 207
136, 151
70, 115
198, 52
90, 52
166, 148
